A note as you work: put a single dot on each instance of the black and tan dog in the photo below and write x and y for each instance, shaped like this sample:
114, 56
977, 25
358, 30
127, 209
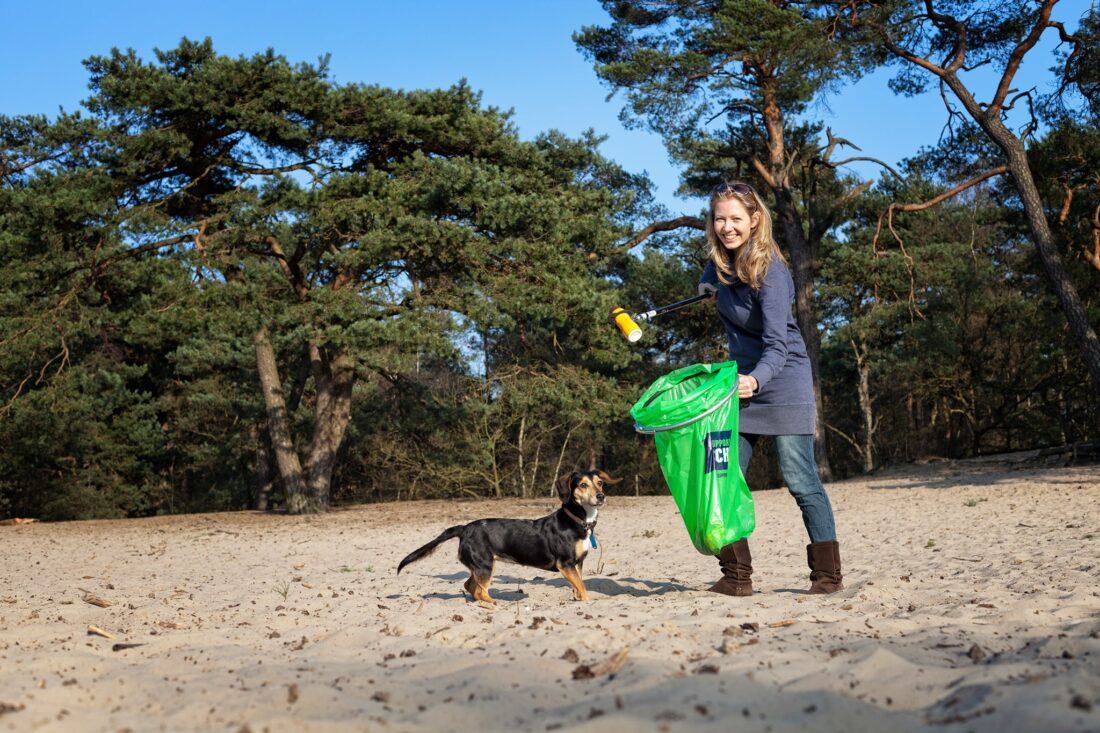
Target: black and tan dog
559, 541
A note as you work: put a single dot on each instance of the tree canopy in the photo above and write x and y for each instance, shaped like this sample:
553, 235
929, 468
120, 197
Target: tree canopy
233, 282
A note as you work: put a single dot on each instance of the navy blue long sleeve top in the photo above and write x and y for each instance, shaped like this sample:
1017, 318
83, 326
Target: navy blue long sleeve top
765, 342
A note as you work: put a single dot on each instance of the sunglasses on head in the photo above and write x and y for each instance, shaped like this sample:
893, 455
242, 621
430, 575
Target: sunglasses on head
724, 189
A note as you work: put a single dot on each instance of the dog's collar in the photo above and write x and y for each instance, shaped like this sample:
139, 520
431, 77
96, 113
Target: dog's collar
578, 520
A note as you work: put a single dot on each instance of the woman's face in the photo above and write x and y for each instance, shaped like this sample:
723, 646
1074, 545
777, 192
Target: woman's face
732, 223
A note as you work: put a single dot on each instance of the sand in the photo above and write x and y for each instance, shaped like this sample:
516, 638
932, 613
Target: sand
972, 603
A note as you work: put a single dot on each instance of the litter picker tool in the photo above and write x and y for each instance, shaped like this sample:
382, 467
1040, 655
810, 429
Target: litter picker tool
628, 324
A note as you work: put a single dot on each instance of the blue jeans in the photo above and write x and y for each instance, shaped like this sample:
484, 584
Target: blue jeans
796, 461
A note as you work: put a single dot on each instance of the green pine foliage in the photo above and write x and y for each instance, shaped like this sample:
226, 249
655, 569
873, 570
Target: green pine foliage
232, 282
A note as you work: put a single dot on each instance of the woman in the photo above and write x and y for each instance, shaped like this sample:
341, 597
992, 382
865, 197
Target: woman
753, 290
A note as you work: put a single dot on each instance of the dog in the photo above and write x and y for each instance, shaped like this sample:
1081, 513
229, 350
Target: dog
558, 541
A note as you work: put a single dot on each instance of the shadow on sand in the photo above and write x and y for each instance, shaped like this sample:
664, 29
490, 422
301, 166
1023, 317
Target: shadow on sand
504, 587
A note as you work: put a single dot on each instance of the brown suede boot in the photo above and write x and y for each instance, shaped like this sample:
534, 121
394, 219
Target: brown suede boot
736, 562
824, 561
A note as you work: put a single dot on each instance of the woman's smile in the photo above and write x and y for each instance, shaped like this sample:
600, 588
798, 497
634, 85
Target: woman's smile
732, 223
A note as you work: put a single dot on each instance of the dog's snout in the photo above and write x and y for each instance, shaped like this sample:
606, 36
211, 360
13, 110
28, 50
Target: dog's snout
599, 496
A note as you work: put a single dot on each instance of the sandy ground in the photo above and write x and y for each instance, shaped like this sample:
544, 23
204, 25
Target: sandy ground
972, 604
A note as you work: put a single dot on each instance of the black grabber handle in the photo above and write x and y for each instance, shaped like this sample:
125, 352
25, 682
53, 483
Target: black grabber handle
649, 315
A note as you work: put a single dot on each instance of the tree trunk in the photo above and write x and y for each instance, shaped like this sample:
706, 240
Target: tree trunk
1020, 170
1068, 298
519, 457
910, 425
334, 379
495, 458
803, 265
866, 407
803, 258
264, 477
561, 459
298, 498
301, 376
535, 469
1063, 407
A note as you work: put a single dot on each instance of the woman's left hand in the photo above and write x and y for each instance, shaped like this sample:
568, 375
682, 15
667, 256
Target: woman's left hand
746, 386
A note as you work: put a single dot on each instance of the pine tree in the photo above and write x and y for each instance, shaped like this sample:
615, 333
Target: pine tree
757, 65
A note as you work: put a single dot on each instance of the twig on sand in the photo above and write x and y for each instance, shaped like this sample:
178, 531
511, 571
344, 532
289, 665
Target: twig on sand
96, 631
781, 624
93, 599
608, 666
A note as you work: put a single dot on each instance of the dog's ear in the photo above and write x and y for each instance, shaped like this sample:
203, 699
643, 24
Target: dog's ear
565, 486
607, 479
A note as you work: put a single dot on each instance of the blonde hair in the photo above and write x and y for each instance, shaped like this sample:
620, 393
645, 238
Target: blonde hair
747, 264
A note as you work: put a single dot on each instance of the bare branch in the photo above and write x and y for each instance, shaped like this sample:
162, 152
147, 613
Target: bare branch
1018, 54
138, 209
888, 215
731, 106
344, 278
824, 160
851, 441
910, 56
1078, 48
10, 169
1033, 122
1012, 102
854, 193
952, 113
681, 222
711, 70
241, 168
977, 65
959, 51
868, 159
306, 165
63, 355
833, 142
161, 244
18, 391
1091, 256
1067, 202
792, 158
290, 270
763, 172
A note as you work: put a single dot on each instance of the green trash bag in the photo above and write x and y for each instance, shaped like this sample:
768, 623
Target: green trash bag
692, 414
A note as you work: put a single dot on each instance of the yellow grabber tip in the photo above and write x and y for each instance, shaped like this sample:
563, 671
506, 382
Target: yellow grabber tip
626, 324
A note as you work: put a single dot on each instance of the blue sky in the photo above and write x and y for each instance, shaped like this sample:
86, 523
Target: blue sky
519, 53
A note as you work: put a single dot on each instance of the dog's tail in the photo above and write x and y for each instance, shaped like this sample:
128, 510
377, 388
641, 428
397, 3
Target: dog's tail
429, 548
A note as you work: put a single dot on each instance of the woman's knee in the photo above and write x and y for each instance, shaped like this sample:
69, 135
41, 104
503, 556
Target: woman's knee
796, 461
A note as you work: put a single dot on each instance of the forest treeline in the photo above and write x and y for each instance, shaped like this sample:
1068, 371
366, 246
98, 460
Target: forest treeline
232, 282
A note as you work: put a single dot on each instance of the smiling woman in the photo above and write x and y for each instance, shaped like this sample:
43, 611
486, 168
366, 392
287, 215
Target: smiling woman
753, 291
736, 214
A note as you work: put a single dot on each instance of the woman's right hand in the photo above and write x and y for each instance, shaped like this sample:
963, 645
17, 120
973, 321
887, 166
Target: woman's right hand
708, 288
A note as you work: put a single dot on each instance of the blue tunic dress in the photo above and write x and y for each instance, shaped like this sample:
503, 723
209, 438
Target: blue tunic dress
765, 342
